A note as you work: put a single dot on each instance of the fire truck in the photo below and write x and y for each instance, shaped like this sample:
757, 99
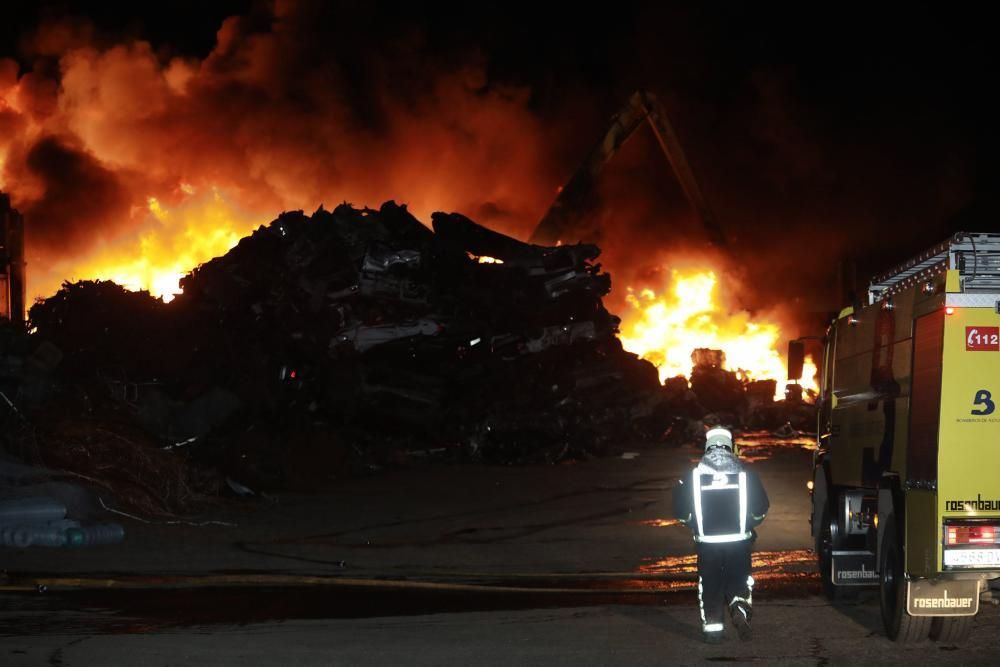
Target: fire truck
906, 473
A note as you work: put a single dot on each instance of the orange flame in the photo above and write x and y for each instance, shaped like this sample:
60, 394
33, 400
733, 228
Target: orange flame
810, 375
485, 259
666, 328
86, 148
169, 243
175, 148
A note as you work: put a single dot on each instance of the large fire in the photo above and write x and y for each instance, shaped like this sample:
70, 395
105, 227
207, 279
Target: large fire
135, 165
168, 243
666, 327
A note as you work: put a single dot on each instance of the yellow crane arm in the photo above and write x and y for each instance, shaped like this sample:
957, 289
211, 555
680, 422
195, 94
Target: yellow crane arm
578, 198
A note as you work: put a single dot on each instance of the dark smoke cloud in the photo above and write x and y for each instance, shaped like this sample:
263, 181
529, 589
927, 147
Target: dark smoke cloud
815, 142
293, 107
78, 196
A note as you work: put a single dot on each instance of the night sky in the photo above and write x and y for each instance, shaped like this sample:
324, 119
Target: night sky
819, 134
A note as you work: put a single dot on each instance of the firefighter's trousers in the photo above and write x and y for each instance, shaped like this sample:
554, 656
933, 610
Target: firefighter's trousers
723, 580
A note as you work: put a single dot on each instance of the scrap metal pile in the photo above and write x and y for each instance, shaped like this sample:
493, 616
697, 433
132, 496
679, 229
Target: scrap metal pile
328, 344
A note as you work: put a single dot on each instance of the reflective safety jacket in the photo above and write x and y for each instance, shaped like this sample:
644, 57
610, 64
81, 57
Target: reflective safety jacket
720, 505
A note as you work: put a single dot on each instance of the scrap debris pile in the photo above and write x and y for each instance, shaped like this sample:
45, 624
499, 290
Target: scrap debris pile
329, 345
351, 339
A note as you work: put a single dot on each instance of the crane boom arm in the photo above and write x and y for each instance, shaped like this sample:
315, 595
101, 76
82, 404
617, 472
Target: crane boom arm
579, 196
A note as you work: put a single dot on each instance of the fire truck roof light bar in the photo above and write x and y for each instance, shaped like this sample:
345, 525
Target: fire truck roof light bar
976, 256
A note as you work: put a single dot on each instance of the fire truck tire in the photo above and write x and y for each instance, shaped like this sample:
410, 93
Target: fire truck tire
899, 625
951, 629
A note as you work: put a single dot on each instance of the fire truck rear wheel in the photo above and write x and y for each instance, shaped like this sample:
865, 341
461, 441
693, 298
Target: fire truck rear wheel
951, 629
899, 625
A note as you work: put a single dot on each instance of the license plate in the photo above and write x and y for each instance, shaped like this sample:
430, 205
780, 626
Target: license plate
972, 557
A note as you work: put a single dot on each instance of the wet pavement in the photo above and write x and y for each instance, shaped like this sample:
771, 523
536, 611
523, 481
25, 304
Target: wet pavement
126, 611
451, 522
581, 534
124, 605
451, 548
591, 526
803, 631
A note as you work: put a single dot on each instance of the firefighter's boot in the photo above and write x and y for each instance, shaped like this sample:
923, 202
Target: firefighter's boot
742, 613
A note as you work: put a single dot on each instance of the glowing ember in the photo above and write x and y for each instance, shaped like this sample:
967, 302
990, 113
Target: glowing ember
660, 523
766, 564
666, 328
485, 259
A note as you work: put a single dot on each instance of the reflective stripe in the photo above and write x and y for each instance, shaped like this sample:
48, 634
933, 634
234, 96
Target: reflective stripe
743, 502
750, 588
717, 539
697, 503
713, 627
741, 485
701, 602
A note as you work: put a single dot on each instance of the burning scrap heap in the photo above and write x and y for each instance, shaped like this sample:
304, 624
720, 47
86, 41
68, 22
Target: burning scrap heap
359, 338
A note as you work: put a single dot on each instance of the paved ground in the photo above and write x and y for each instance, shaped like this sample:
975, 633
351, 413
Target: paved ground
446, 565
606, 515
797, 632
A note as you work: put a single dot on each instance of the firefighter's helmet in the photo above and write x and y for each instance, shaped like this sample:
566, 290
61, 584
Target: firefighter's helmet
719, 437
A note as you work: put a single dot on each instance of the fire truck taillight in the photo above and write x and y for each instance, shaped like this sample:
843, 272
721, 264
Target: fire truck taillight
971, 534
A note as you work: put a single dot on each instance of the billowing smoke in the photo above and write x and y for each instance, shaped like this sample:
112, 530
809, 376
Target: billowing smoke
117, 147
74, 188
104, 144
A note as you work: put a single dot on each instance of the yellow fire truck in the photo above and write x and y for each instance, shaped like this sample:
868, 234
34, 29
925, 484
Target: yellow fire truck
906, 478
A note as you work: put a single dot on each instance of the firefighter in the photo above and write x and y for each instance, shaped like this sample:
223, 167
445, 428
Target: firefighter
722, 502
